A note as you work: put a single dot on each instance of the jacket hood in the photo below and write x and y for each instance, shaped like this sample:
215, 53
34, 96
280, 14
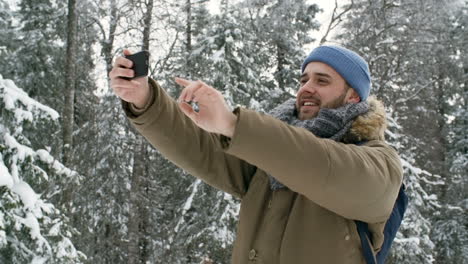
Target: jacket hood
369, 126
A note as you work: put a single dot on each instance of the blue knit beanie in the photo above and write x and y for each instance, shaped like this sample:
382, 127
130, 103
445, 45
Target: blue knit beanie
352, 67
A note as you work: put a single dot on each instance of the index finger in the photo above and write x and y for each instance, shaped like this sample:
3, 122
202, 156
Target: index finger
182, 81
123, 62
187, 92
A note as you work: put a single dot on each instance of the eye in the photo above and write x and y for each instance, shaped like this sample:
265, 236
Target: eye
322, 81
303, 81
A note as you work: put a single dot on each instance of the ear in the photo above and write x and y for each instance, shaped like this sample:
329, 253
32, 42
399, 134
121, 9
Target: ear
352, 96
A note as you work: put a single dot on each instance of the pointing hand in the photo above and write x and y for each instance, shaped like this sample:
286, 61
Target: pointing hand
214, 115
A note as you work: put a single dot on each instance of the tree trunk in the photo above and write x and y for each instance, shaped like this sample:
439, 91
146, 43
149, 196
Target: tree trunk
108, 44
188, 34
134, 220
68, 118
138, 216
280, 66
147, 26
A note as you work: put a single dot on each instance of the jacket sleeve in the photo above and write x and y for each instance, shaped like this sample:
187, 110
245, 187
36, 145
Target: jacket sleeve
198, 152
356, 182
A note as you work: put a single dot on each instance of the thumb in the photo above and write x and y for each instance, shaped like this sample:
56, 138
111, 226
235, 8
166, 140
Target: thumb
188, 111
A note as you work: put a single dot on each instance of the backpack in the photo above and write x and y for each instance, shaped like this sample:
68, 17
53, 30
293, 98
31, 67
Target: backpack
390, 230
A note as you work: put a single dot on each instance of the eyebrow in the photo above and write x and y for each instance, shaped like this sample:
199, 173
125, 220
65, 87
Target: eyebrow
321, 74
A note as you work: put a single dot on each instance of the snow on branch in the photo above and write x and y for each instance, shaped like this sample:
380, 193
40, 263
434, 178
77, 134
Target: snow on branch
12, 96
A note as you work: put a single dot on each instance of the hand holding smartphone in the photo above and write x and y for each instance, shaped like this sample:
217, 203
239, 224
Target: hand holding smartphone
140, 64
128, 80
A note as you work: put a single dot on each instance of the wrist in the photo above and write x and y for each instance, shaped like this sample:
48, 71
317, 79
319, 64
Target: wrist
141, 104
231, 125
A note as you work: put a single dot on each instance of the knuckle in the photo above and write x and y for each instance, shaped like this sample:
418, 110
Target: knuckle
117, 61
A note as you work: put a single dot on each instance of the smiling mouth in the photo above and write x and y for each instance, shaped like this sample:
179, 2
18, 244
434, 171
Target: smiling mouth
309, 104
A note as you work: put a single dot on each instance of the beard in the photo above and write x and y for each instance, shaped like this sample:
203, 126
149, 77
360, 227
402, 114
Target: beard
335, 103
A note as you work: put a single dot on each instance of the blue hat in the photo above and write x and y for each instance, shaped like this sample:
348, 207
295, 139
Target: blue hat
352, 67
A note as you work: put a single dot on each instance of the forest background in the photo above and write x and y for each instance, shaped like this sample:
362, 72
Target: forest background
79, 185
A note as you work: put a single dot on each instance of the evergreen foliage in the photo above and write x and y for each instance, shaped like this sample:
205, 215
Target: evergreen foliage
251, 51
416, 71
31, 228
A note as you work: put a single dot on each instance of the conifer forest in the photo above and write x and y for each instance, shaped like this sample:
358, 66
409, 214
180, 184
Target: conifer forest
78, 184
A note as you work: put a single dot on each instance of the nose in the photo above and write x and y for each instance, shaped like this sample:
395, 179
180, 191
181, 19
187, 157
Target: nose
307, 87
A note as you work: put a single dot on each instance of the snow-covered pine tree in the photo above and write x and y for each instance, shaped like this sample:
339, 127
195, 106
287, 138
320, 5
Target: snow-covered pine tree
395, 38
33, 56
223, 55
6, 32
108, 160
413, 243
451, 228
280, 29
102, 146
32, 230
194, 220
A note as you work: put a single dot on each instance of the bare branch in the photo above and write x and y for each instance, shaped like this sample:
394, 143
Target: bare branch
335, 20
402, 100
169, 54
101, 27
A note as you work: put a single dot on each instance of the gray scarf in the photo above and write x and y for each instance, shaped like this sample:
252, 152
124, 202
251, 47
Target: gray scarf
329, 123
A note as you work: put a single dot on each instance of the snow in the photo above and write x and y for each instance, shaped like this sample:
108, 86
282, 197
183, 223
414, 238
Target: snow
13, 95
22, 150
218, 55
55, 229
39, 260
26, 193
189, 201
410, 240
3, 237
188, 204
415, 170
29, 213
45, 157
31, 222
5, 177
391, 134
66, 249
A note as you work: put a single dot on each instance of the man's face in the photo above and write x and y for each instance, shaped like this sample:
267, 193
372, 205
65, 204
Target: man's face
321, 87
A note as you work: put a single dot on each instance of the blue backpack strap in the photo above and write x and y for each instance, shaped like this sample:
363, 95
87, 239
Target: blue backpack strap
393, 223
364, 234
390, 229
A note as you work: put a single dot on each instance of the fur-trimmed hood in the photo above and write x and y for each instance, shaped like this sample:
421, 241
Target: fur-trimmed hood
369, 126
352, 123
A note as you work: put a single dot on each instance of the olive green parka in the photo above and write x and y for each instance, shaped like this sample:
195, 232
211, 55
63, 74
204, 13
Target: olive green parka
329, 184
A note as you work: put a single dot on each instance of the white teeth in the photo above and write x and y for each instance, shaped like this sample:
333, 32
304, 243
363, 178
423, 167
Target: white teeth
309, 104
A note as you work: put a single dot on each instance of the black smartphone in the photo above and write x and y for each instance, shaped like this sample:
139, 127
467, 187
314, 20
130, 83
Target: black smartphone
140, 63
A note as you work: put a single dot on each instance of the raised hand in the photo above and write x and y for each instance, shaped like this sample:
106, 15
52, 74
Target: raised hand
213, 115
134, 91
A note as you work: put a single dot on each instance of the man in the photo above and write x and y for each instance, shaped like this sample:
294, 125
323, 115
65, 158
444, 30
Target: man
303, 174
